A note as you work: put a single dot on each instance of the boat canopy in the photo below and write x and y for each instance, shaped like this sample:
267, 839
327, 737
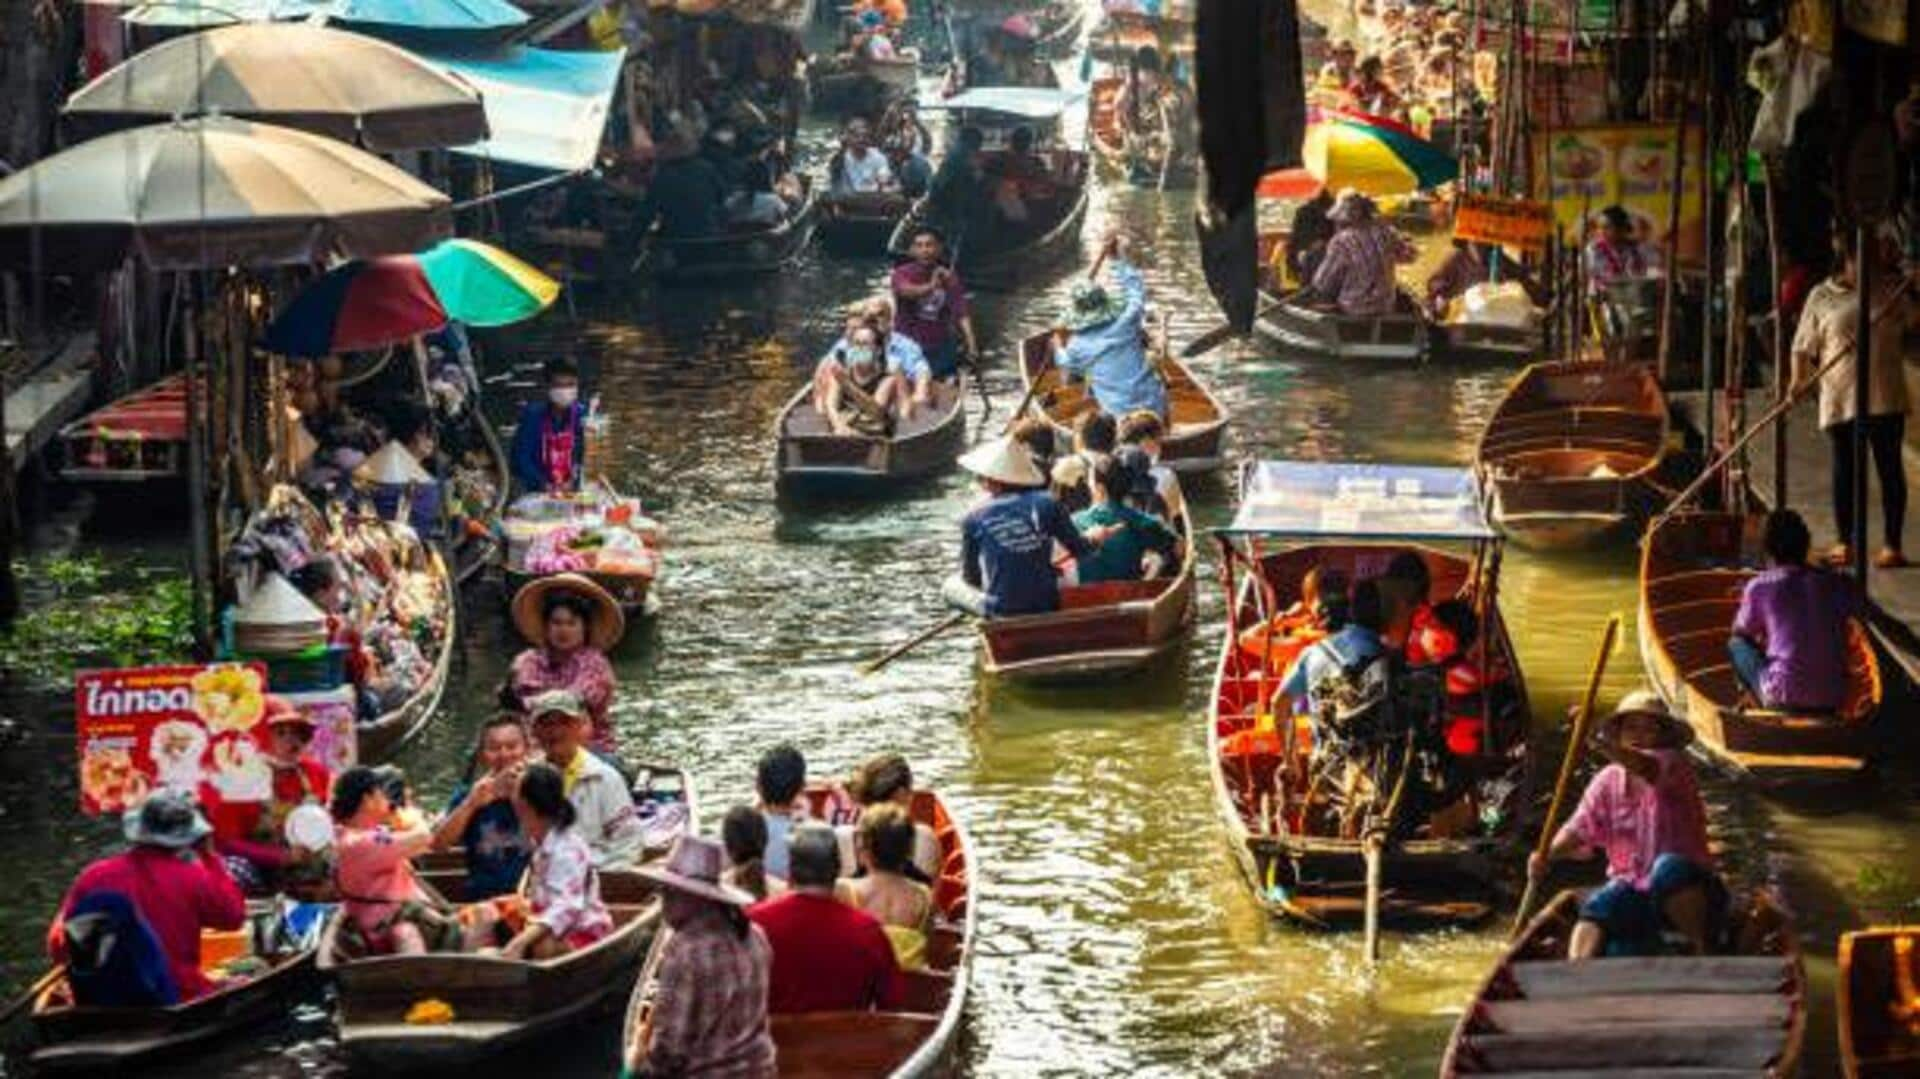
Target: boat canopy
546, 108
1360, 501
1024, 102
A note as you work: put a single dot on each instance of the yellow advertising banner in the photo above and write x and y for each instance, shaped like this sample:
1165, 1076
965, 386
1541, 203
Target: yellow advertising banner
1518, 223
1586, 169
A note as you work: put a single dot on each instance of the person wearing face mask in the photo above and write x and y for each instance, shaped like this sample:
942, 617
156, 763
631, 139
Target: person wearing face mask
550, 440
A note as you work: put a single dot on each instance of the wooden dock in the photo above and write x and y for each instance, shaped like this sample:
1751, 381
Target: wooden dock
47, 399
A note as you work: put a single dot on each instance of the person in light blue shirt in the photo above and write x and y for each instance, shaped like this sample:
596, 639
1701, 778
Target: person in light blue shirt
1108, 343
1355, 644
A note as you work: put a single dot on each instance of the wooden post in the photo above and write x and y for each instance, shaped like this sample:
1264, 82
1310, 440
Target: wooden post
1863, 259
9, 522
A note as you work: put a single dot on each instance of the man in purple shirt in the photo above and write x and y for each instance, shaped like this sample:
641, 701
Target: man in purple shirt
1789, 642
930, 303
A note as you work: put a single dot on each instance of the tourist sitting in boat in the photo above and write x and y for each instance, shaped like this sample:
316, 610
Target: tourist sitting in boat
1643, 812
1070, 479
859, 167
602, 802
128, 930
1442, 645
1615, 254
930, 304
1320, 611
744, 832
480, 819
1308, 237
756, 205
827, 956
1137, 546
1107, 346
550, 438
871, 379
888, 780
1357, 273
252, 836
564, 910
1354, 646
907, 142
780, 776
688, 192
708, 1015
1406, 591
1034, 434
1144, 430
1018, 174
1006, 542
569, 623
883, 842
383, 909
1789, 643
1370, 92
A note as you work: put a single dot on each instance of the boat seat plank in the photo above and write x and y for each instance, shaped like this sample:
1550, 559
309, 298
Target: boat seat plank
1637, 1010
1661, 975
832, 1045
1662, 1048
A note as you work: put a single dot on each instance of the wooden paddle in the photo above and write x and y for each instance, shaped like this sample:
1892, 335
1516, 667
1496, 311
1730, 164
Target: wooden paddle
33, 993
1582, 721
923, 637
1033, 383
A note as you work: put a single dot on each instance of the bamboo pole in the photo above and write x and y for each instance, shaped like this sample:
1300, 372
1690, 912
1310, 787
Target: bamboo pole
1782, 365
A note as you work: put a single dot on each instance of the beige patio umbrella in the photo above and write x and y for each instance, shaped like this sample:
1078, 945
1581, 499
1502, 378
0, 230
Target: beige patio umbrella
210, 192
348, 86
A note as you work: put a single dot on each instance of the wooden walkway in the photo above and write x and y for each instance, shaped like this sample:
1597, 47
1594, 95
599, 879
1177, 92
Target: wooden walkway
38, 406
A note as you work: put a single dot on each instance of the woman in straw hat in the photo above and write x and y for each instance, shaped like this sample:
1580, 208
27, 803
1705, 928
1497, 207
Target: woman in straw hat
1643, 811
1357, 272
1006, 542
570, 622
708, 1015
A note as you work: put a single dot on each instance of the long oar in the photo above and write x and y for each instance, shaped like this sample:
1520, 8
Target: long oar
1581, 722
1033, 382
923, 637
33, 992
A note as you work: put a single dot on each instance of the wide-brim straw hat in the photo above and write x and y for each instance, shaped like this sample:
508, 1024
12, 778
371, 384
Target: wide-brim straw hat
281, 712
277, 603
392, 466
1091, 305
1674, 733
693, 868
604, 628
1352, 206
1004, 461
166, 818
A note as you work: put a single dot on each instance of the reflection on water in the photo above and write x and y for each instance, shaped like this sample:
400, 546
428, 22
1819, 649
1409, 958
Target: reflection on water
1116, 936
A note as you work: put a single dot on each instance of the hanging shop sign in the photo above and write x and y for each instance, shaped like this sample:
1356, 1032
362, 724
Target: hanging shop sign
143, 728
1584, 170
1519, 223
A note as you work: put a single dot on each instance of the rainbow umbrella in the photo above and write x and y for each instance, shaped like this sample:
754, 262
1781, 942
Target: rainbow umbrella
372, 303
1373, 155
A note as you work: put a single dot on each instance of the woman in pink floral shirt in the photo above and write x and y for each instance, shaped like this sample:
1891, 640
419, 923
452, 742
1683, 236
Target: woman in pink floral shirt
563, 893
571, 623
1643, 811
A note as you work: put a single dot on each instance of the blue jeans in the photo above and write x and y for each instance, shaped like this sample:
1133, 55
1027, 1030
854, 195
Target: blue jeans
1633, 920
1749, 662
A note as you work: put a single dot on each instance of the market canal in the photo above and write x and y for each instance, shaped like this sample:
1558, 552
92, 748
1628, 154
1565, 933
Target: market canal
1116, 937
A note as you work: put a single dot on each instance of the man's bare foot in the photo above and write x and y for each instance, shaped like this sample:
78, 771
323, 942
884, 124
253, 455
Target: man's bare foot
1839, 556
1890, 558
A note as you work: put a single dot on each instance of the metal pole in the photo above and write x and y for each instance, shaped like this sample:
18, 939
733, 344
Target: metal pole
1862, 400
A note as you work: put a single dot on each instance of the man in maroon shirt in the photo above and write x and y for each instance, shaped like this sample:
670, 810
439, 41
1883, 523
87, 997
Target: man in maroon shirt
827, 956
930, 303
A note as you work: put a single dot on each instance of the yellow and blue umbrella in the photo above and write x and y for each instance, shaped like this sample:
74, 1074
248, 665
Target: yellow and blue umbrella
1373, 155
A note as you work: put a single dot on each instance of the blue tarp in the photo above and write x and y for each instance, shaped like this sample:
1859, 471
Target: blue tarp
436, 16
545, 108
1027, 102
1361, 501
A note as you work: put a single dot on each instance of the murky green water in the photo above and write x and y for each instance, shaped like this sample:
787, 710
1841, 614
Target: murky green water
1115, 934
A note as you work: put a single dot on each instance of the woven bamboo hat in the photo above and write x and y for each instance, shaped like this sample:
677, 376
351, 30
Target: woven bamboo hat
392, 466
605, 626
1004, 461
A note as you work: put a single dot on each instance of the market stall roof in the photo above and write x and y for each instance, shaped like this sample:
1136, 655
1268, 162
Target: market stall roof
154, 413
211, 192
1026, 102
1360, 501
791, 14
546, 108
343, 85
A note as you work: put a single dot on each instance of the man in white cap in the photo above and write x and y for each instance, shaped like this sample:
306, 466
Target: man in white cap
709, 1009
1006, 542
1643, 811
602, 802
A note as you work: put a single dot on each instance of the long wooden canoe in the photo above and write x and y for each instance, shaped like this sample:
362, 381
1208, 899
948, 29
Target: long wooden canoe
1196, 430
1693, 569
1297, 867
1570, 454
735, 253
1100, 630
921, 1038
97, 1040
1399, 336
996, 256
383, 737
1879, 1020
810, 459
1713, 1017
1109, 142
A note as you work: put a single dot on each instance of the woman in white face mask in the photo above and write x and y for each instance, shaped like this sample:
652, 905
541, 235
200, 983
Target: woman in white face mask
550, 441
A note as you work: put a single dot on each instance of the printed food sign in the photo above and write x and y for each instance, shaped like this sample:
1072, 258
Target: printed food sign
1520, 223
144, 728
1630, 165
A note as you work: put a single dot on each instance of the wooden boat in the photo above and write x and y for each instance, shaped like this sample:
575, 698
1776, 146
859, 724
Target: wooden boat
1400, 336
1569, 456
861, 85
738, 252
922, 1038
1299, 865
1100, 630
1879, 1038
1196, 429
98, 1040
384, 736
860, 223
1110, 145
140, 437
810, 458
1693, 569
1673, 1015
632, 590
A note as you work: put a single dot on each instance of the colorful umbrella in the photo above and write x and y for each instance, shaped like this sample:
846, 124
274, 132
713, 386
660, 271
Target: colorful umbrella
378, 302
1374, 155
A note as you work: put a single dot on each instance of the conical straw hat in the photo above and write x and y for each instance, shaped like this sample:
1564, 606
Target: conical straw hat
1005, 461
393, 466
277, 603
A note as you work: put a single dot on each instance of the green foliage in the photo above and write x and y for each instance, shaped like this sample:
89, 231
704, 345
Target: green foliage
1886, 886
80, 615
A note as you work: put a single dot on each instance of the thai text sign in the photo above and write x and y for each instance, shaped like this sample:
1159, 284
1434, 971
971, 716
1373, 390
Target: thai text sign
142, 728
1587, 169
1521, 223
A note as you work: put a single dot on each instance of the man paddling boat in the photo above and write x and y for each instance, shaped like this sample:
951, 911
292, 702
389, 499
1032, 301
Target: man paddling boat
1108, 343
1006, 542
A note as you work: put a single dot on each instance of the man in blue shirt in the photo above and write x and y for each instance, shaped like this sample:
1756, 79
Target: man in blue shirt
1357, 643
1006, 543
1108, 346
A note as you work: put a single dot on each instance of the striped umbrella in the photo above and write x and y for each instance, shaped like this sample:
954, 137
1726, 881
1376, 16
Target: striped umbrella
377, 302
1374, 155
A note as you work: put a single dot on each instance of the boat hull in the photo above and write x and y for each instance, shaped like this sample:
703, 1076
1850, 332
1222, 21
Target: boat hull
733, 255
811, 461
1197, 429
1873, 1044
385, 736
1400, 337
